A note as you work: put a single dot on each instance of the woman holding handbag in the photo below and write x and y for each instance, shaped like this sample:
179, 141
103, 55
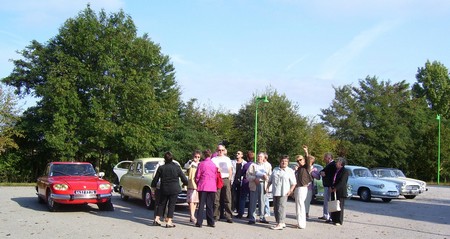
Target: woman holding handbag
339, 188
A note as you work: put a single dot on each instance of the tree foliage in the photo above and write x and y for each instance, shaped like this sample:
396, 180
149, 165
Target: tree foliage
9, 116
104, 93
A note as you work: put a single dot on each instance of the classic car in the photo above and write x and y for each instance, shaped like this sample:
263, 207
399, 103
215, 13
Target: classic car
318, 185
136, 182
73, 183
410, 187
120, 169
366, 186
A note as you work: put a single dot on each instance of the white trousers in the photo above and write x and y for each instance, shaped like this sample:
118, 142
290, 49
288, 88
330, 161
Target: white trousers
300, 212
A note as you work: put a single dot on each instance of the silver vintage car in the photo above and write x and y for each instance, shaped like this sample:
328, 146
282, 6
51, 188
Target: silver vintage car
366, 186
409, 188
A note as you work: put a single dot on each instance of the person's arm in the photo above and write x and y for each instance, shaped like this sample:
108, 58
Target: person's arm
182, 176
305, 148
293, 182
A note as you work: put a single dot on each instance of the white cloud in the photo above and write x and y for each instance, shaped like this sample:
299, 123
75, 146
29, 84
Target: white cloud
344, 56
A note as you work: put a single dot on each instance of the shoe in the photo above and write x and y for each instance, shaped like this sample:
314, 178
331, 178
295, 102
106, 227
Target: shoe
322, 218
198, 225
277, 227
170, 225
337, 224
238, 216
263, 221
283, 225
194, 220
328, 221
156, 223
298, 227
251, 222
211, 225
229, 221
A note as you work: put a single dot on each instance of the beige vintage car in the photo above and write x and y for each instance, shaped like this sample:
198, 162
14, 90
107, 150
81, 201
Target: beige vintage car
136, 182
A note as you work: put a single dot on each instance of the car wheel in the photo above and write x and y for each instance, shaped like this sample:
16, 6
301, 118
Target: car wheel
40, 200
364, 194
410, 196
122, 194
106, 206
386, 199
149, 202
51, 204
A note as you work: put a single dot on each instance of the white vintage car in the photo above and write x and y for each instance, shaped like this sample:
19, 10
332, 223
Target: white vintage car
120, 169
410, 187
366, 186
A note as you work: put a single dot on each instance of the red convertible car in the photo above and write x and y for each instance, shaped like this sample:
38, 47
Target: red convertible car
73, 183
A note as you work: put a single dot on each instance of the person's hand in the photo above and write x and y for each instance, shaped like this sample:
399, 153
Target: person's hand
322, 173
305, 148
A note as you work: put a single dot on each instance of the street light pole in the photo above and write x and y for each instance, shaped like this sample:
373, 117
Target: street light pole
258, 99
438, 117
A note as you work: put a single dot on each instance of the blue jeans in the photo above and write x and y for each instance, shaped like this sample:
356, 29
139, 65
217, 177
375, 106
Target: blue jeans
326, 198
242, 201
252, 206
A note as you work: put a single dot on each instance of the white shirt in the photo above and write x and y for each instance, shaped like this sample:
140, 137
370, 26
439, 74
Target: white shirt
224, 165
282, 180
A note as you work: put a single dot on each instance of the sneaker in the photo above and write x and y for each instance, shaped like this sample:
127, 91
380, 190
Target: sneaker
283, 225
277, 227
337, 224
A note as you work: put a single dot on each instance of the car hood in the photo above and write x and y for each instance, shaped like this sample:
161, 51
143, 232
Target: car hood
399, 181
373, 182
83, 182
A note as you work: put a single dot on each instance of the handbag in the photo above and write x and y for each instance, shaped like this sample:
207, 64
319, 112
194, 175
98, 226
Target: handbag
335, 205
219, 181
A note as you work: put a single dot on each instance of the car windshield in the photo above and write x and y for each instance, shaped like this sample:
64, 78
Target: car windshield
398, 173
385, 173
362, 172
72, 170
150, 166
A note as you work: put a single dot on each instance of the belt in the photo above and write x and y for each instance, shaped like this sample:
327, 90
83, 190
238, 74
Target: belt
225, 178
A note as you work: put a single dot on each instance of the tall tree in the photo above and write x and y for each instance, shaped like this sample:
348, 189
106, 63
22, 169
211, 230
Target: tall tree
9, 116
281, 129
433, 83
104, 92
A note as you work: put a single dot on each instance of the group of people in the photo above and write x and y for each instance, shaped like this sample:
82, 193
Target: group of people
242, 180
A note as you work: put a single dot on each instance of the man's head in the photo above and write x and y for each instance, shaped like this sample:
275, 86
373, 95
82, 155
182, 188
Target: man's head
221, 150
239, 155
250, 155
328, 157
261, 157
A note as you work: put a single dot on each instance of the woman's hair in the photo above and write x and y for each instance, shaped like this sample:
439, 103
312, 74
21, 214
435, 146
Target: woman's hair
342, 160
196, 152
284, 157
299, 158
168, 157
207, 153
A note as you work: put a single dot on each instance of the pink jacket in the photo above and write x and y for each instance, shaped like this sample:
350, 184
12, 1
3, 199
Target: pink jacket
206, 176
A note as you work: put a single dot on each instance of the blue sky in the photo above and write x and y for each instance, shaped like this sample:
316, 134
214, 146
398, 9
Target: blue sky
226, 51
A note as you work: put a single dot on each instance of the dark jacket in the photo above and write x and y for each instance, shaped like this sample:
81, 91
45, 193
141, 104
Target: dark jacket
169, 174
340, 183
329, 170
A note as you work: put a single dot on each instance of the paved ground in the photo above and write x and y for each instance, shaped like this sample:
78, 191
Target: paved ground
21, 216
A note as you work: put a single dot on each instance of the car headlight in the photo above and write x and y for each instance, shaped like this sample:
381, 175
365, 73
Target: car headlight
379, 186
104, 186
60, 186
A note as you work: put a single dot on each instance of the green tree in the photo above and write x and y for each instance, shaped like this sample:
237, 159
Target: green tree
9, 116
281, 129
433, 83
104, 93
371, 121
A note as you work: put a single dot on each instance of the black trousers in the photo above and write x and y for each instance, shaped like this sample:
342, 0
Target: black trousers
167, 200
206, 199
338, 217
235, 195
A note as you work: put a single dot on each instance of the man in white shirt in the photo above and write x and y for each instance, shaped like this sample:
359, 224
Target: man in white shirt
223, 195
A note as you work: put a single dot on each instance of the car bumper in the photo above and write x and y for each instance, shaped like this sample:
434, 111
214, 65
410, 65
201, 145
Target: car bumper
410, 192
76, 197
384, 194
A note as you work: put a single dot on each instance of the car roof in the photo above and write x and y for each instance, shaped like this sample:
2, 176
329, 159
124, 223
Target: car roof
70, 163
383, 168
354, 167
149, 159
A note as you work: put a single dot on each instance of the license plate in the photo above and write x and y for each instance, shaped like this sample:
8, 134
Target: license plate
85, 192
392, 193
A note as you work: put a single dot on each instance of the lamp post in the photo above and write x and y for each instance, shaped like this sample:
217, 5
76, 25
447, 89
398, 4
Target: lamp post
258, 99
438, 117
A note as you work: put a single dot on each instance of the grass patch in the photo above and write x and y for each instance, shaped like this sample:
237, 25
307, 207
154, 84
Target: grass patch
17, 184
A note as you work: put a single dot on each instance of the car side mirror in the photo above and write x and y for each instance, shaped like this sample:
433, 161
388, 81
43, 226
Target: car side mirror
101, 174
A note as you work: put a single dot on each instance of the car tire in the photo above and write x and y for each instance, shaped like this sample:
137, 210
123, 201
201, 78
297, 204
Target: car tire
106, 206
40, 200
122, 194
410, 196
148, 200
365, 195
51, 204
386, 199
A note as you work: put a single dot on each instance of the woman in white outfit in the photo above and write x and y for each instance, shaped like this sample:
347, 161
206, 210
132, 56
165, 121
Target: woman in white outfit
303, 179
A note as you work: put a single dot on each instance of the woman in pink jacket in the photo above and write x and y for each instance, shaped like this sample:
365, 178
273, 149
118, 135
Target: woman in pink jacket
206, 187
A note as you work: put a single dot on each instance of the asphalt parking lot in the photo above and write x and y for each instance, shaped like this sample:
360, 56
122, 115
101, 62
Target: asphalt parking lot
21, 216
